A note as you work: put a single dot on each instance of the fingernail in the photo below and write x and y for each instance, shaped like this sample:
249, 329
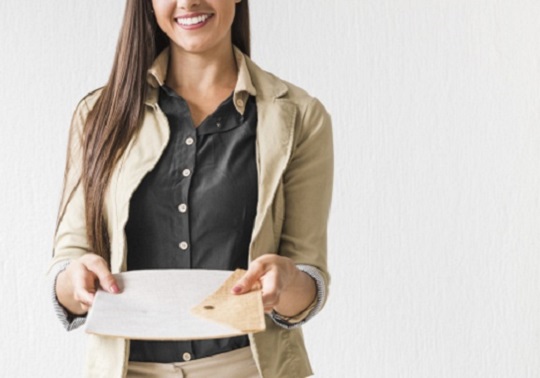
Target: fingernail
237, 289
114, 289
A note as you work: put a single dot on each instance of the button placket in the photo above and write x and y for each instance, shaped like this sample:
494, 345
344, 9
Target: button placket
182, 207
188, 150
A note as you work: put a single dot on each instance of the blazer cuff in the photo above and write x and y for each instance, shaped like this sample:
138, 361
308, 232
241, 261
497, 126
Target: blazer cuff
68, 320
312, 310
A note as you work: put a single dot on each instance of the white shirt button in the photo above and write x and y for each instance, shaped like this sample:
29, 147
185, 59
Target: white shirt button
183, 245
186, 172
186, 356
182, 208
189, 141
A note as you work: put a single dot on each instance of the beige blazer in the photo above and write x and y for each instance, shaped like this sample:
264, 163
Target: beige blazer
295, 165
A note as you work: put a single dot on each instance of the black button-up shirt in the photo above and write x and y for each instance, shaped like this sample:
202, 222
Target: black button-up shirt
196, 208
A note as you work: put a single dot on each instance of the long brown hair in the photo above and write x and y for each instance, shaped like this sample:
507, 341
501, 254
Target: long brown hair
118, 112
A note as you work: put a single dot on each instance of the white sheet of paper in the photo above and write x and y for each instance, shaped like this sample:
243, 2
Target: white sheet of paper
156, 304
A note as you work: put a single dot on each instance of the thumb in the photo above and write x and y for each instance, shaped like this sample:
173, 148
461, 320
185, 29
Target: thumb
250, 280
108, 282
104, 276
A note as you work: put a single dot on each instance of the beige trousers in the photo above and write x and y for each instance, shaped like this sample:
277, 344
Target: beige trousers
238, 363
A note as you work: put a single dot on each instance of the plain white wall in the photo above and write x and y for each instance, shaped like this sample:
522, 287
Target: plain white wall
435, 226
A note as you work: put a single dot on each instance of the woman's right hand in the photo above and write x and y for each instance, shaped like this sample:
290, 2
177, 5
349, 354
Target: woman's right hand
77, 284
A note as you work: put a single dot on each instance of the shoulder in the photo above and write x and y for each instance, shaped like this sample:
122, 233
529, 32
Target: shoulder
90, 99
86, 103
271, 86
312, 116
82, 109
313, 126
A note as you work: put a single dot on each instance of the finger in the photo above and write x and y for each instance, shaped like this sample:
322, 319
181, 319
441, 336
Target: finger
84, 297
84, 286
99, 267
85, 308
270, 290
250, 280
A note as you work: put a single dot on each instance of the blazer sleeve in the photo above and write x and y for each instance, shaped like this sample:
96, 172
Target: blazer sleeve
307, 185
70, 240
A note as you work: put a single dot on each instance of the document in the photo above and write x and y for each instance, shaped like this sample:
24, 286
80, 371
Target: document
176, 304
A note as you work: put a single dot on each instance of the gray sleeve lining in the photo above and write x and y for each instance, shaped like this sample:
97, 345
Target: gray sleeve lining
320, 298
69, 321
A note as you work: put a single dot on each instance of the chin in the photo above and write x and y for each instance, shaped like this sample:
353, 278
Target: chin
194, 47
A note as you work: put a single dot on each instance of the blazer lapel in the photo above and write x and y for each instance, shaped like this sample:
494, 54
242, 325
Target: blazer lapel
141, 156
274, 141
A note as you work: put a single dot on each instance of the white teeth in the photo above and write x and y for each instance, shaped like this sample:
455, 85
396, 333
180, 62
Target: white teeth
193, 20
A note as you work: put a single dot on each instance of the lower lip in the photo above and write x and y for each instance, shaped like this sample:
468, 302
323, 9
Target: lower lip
195, 26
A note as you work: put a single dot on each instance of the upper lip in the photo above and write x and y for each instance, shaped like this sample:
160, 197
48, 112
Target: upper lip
191, 15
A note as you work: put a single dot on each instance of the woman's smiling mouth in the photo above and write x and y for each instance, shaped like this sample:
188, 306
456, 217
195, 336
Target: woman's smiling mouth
193, 21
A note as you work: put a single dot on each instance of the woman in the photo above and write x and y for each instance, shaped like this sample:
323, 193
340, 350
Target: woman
191, 156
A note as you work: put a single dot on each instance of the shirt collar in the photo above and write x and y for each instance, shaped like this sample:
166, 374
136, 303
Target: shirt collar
244, 85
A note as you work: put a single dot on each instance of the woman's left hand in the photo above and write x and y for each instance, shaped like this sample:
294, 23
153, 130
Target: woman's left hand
285, 289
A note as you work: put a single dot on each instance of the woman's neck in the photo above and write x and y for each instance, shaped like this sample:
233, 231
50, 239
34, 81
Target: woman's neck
206, 72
